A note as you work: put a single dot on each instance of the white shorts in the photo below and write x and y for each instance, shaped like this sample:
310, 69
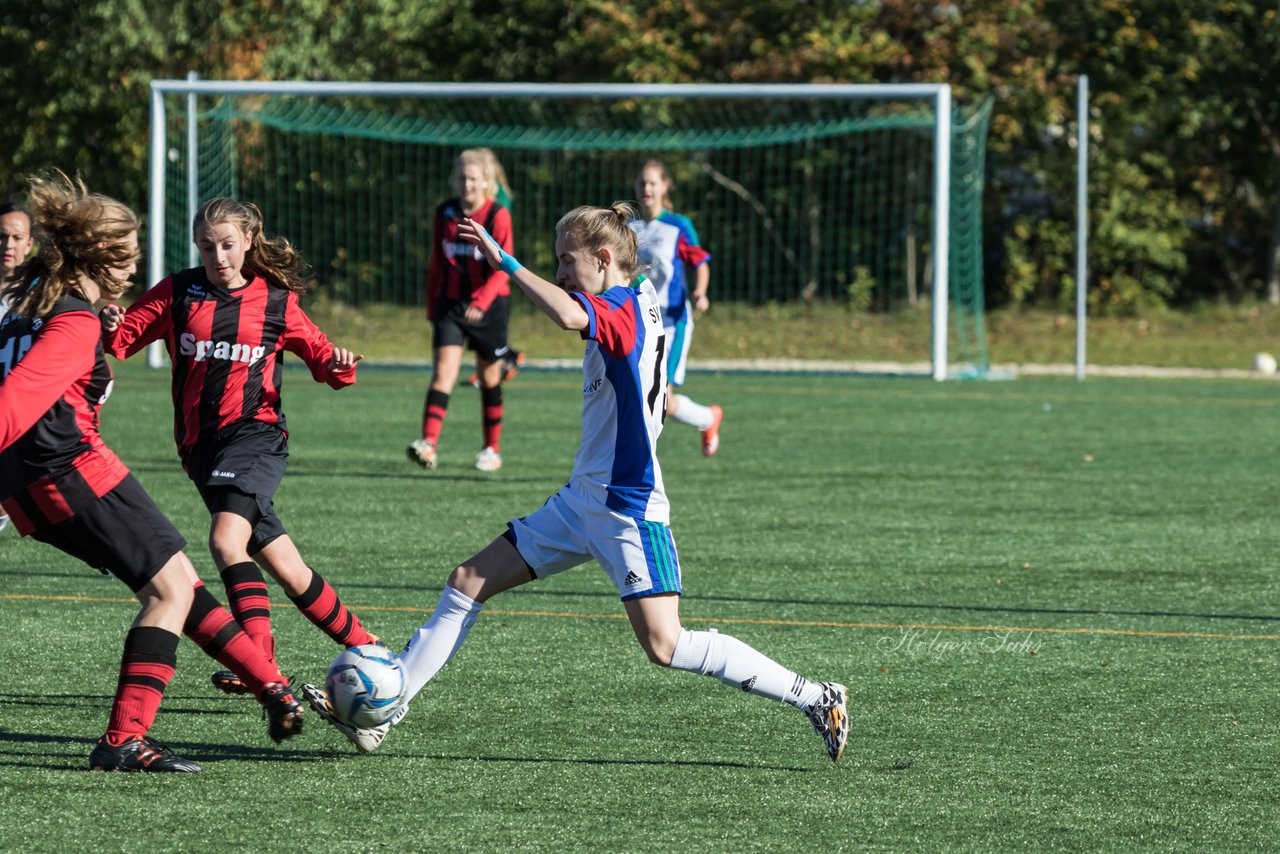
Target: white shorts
679, 336
571, 529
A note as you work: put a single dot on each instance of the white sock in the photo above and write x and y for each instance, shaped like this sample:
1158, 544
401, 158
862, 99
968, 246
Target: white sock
739, 666
434, 644
694, 414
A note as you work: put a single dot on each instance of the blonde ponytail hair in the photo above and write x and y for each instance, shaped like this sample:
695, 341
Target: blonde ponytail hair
595, 228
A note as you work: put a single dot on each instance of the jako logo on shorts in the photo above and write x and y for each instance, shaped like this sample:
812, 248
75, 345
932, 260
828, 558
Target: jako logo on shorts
189, 346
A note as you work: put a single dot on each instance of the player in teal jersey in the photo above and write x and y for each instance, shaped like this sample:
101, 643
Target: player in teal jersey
669, 245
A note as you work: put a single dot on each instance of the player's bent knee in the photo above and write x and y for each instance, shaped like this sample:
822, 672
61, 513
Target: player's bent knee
470, 581
227, 550
662, 658
660, 650
169, 591
497, 567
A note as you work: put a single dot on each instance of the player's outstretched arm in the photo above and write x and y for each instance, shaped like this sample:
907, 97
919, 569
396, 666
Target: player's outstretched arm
552, 299
125, 332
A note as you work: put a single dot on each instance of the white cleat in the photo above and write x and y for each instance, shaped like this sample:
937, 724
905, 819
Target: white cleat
488, 460
830, 718
422, 452
366, 739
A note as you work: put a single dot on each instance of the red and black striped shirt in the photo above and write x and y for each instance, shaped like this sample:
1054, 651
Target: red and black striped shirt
53, 380
457, 271
227, 348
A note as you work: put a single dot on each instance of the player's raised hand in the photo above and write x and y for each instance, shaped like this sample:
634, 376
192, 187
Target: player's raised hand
343, 359
110, 317
475, 234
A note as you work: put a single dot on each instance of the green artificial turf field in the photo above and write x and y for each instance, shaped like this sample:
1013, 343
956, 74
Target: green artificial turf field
1055, 605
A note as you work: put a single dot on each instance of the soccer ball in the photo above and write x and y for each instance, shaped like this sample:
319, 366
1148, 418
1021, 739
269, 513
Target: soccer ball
366, 685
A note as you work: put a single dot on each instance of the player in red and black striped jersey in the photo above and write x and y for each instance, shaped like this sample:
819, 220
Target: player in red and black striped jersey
513, 359
227, 325
467, 303
63, 486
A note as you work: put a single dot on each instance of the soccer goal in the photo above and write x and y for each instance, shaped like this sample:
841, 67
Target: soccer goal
855, 198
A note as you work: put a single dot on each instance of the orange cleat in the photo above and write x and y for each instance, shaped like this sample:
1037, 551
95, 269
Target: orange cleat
711, 436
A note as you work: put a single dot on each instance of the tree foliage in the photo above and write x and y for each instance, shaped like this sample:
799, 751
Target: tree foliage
1185, 125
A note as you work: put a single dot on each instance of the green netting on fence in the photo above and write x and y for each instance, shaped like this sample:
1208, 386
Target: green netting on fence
968, 175
824, 200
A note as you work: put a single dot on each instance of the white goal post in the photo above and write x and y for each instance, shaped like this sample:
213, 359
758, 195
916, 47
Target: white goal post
938, 95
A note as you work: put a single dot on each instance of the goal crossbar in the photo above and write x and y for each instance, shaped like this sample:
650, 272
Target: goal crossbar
938, 94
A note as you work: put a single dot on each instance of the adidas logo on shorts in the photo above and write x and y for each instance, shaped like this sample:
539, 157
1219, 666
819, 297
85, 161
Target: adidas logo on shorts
631, 578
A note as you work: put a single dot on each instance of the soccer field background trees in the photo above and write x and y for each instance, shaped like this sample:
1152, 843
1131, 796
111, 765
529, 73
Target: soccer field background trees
1185, 127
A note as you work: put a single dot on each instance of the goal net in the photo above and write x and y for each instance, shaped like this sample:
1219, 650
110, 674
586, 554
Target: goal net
823, 195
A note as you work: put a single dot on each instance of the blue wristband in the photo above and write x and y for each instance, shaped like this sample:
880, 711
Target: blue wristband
510, 264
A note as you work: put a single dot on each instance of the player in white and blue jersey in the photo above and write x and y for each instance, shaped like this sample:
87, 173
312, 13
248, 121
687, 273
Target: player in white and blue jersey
15, 245
614, 509
667, 248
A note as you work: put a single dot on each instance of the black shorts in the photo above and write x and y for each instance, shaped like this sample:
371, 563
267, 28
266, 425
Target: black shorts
238, 471
122, 533
488, 338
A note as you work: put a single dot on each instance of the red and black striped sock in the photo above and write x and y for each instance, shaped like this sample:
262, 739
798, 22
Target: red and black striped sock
216, 632
150, 656
491, 413
433, 412
322, 606
248, 602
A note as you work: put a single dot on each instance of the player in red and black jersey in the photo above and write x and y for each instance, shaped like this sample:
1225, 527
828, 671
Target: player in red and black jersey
227, 325
467, 303
63, 486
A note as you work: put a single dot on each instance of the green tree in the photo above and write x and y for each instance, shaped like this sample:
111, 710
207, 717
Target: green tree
1185, 171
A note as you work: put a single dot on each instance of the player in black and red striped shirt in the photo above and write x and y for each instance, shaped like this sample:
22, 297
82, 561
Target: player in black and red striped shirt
467, 304
227, 325
63, 486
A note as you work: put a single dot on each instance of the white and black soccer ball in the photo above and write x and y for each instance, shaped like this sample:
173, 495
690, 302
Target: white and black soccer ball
365, 685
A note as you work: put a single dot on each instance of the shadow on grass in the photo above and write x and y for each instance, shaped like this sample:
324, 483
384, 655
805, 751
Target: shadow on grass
554, 760
434, 590
202, 752
658, 763
921, 606
168, 707
611, 596
206, 752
